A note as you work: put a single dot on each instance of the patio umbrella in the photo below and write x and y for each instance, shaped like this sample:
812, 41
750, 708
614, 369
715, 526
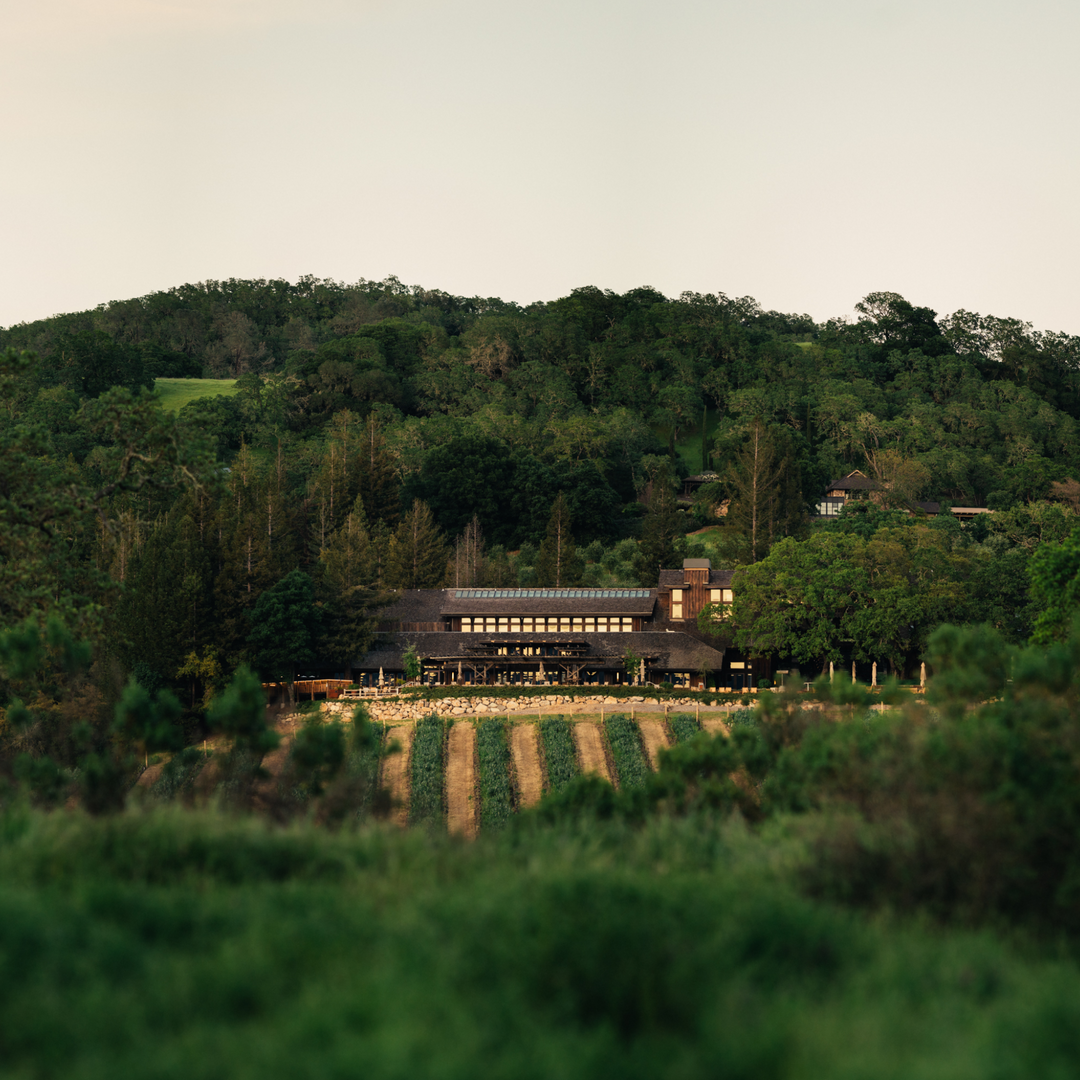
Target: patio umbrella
380, 677
542, 676
459, 671
641, 672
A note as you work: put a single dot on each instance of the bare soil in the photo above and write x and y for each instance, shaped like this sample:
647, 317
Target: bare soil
714, 726
149, 777
395, 771
589, 742
526, 755
655, 737
461, 801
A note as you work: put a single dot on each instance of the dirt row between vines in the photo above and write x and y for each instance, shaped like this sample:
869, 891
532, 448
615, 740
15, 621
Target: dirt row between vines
462, 811
525, 751
655, 737
395, 771
589, 743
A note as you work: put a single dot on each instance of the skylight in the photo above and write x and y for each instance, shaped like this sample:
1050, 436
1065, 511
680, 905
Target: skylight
552, 594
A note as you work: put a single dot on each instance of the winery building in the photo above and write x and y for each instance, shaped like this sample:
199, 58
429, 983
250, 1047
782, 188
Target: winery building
575, 636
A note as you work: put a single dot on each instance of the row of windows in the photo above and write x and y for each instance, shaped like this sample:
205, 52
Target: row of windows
716, 596
529, 624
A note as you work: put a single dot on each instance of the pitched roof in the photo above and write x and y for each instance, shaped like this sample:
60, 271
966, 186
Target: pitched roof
675, 579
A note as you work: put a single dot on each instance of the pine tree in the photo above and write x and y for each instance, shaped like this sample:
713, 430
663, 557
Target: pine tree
468, 562
349, 589
417, 555
765, 498
377, 480
558, 563
660, 531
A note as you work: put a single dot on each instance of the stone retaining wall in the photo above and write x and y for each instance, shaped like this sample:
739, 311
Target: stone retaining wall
402, 709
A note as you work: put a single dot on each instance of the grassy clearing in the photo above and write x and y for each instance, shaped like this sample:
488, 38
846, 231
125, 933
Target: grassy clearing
176, 393
559, 755
496, 791
624, 738
426, 772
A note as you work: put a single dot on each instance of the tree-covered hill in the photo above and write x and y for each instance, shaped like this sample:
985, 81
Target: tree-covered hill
384, 436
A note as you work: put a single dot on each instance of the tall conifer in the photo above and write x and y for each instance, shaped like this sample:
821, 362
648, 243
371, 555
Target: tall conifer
558, 563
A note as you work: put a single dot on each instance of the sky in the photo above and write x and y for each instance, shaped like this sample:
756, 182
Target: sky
803, 152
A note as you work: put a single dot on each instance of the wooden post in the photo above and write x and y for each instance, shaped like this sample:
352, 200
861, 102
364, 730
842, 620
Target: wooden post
699, 713
922, 675
873, 678
830, 671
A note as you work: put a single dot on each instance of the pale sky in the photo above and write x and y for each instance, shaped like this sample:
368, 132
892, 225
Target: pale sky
804, 153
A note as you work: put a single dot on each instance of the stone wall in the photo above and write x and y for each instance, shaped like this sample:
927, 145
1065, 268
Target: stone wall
396, 710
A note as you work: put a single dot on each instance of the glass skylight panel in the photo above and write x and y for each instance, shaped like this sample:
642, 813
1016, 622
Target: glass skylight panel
551, 594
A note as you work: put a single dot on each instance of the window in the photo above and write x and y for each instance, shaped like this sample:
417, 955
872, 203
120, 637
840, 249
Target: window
504, 626
515, 626
628, 626
728, 597
676, 603
590, 625
466, 625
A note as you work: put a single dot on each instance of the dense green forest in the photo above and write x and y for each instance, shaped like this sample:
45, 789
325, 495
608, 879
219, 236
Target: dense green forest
385, 437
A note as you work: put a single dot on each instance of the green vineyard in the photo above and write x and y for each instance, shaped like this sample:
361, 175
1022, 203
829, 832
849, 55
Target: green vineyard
502, 763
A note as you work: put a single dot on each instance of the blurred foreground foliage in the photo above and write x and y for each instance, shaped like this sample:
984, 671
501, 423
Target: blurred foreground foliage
853, 884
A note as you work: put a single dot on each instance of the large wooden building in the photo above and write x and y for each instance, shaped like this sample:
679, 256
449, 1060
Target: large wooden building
572, 636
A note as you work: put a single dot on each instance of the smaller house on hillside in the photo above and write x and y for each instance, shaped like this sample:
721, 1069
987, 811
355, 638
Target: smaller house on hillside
857, 485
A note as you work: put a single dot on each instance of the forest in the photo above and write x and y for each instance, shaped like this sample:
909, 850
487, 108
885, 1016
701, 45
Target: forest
383, 437
837, 883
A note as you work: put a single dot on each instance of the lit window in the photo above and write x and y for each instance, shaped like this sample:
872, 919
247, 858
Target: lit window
728, 597
590, 625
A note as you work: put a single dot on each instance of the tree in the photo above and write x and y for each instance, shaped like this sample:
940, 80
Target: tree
765, 498
349, 588
660, 531
417, 556
558, 563
467, 563
1055, 588
468, 477
285, 625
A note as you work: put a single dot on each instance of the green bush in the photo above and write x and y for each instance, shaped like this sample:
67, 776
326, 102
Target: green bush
130, 945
